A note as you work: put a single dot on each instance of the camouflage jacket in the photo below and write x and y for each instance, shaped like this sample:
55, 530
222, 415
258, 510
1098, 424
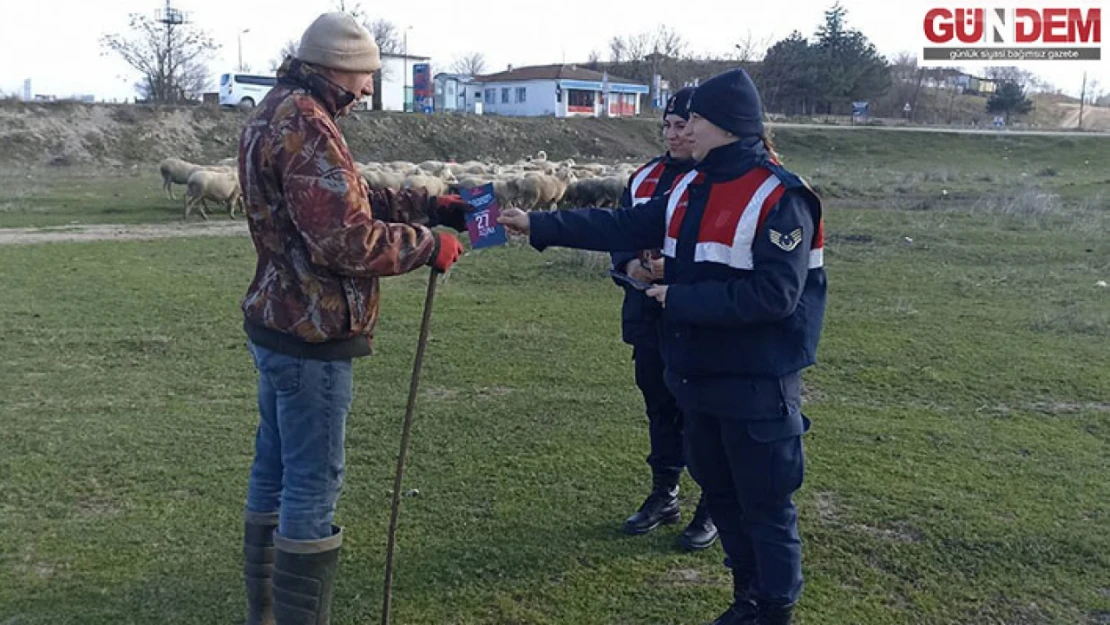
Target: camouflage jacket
322, 238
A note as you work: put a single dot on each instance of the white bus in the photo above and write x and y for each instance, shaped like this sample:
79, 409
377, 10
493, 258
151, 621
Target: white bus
244, 90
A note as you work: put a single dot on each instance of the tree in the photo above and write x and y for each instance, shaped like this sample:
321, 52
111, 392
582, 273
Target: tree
904, 66
171, 58
386, 35
749, 50
594, 60
470, 64
790, 70
840, 66
851, 67
1009, 99
643, 55
288, 49
629, 49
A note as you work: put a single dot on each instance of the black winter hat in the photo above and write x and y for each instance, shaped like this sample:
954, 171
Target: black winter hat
679, 103
730, 101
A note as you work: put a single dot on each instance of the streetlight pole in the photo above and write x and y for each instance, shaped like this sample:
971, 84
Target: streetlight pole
405, 104
240, 37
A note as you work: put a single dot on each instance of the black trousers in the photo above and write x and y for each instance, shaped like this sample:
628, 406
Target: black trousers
748, 485
664, 416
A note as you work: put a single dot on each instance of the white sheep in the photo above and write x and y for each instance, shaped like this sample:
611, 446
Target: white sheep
381, 180
436, 168
218, 186
431, 185
175, 171
551, 188
400, 167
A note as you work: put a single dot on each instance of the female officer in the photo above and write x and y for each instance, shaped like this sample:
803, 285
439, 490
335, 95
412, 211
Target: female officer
743, 307
640, 324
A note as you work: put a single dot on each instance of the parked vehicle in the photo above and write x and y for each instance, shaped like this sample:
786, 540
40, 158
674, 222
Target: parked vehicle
244, 90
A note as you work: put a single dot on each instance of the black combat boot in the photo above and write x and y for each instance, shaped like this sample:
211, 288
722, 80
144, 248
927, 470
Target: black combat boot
701, 532
767, 614
304, 577
660, 507
743, 610
258, 566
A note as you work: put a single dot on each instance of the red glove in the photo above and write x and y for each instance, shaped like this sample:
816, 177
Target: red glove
451, 212
448, 250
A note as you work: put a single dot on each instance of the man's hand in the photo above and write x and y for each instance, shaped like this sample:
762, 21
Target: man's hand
657, 265
636, 270
451, 212
659, 292
515, 221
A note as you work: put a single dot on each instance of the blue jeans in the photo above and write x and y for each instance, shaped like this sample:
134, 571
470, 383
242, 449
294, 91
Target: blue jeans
298, 458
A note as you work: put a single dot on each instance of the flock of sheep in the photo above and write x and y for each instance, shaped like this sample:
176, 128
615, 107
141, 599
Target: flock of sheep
529, 183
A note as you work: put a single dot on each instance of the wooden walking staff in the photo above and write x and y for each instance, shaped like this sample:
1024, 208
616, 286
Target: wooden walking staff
405, 436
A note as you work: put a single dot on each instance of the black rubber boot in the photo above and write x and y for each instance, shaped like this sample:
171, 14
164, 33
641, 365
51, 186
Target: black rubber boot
767, 614
304, 578
701, 532
743, 610
258, 566
660, 507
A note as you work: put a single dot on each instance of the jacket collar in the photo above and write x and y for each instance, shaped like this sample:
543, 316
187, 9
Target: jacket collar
680, 164
308, 77
734, 160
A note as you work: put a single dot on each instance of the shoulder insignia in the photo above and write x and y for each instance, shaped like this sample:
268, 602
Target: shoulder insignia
786, 242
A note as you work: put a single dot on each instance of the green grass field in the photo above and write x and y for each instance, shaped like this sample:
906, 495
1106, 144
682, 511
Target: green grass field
958, 467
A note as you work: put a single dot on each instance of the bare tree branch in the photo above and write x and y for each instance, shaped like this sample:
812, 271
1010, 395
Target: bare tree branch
354, 8
386, 35
665, 41
749, 49
171, 58
288, 49
470, 64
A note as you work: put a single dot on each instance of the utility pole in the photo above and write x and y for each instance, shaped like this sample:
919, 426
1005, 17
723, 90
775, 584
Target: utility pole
171, 18
405, 96
241, 33
1082, 100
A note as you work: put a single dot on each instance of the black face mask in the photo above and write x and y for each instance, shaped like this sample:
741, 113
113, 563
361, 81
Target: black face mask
318, 84
346, 97
345, 100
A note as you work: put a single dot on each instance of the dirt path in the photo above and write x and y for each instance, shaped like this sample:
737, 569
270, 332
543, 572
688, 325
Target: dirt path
1094, 117
117, 232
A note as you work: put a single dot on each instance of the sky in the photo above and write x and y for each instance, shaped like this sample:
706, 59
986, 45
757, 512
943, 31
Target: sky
56, 44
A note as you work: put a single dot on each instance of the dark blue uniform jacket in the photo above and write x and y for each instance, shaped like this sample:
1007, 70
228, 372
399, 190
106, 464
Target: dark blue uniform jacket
640, 314
734, 340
